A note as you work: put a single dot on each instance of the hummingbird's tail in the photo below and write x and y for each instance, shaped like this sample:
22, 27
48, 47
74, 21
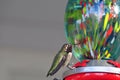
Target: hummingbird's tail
47, 74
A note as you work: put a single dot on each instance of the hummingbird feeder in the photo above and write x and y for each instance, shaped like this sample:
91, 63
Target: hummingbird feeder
93, 29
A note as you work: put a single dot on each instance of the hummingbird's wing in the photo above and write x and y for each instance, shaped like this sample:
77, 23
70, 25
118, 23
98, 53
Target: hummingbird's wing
57, 62
61, 63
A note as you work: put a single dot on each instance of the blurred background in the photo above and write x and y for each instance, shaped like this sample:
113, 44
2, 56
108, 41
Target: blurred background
31, 33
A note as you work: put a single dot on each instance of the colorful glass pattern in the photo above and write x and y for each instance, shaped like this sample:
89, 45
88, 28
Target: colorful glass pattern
93, 28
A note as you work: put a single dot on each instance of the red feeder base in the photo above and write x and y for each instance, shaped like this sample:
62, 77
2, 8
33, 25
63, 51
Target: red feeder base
93, 76
94, 70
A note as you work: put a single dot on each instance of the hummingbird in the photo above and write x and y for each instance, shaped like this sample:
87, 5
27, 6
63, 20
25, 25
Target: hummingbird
62, 58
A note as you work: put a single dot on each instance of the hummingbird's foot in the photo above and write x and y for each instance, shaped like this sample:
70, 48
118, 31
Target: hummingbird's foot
56, 79
70, 67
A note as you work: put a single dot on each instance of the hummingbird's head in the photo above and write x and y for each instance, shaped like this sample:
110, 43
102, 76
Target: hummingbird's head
68, 48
